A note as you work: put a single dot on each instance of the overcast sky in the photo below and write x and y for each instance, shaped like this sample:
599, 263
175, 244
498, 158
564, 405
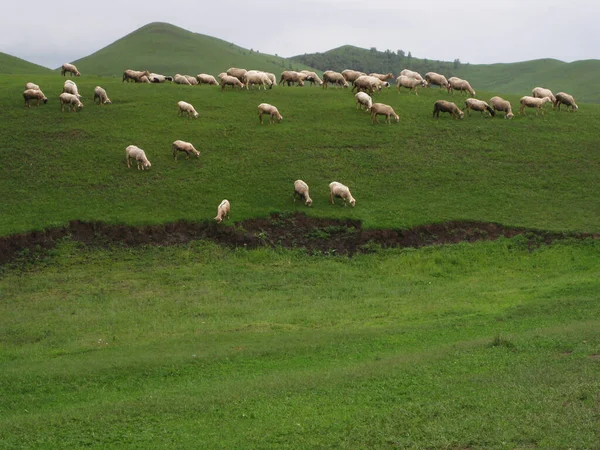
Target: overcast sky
474, 31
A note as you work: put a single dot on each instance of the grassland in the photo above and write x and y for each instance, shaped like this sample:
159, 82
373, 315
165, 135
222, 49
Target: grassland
12, 65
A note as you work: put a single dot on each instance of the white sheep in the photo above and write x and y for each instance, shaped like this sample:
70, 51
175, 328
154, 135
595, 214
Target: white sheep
192, 80
237, 73
435, 79
449, 107
181, 79
563, 98
135, 75
232, 81
32, 86
329, 76
369, 84
186, 147
265, 108
411, 74
253, 77
478, 105
159, 78
34, 94
301, 190
351, 75
66, 67
223, 210
71, 88
382, 76
499, 104
312, 77
380, 109
184, 107
273, 78
338, 190
290, 76
72, 101
100, 94
204, 78
363, 100
133, 152
458, 84
540, 92
409, 83
532, 102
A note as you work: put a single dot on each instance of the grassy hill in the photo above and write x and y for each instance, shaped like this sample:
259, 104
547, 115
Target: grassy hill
165, 48
13, 65
577, 78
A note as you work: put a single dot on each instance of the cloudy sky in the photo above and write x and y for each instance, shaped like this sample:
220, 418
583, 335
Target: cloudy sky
474, 31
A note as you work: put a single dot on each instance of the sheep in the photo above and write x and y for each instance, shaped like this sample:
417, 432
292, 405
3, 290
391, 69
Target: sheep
32, 86
182, 146
221, 75
449, 107
478, 105
565, 99
184, 107
181, 79
133, 152
290, 76
499, 104
256, 77
235, 72
540, 92
363, 99
410, 83
380, 109
382, 77
144, 79
100, 94
461, 85
265, 108
72, 101
192, 80
329, 76
312, 77
66, 67
340, 191
34, 94
223, 210
435, 79
369, 84
158, 78
301, 190
533, 102
410, 74
351, 75
71, 88
273, 78
135, 75
228, 80
204, 78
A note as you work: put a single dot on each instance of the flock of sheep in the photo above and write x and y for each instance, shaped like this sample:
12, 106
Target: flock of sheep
365, 85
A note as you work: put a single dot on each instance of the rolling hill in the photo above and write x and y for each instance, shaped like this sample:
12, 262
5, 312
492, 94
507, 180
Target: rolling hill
12, 65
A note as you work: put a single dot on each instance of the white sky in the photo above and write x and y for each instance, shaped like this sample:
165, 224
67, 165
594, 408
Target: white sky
475, 31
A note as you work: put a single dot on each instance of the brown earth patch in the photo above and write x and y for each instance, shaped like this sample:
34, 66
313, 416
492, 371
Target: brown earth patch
296, 230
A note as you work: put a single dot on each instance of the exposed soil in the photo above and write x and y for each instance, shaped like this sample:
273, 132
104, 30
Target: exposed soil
296, 230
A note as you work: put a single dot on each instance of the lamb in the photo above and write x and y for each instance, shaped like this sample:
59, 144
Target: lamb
312, 77
72, 101
539, 92
256, 77
461, 85
265, 108
499, 104
351, 75
135, 75
204, 78
100, 94
301, 190
449, 107
71, 88
34, 94
410, 83
382, 77
435, 79
223, 210
133, 152
340, 191
181, 79
410, 74
380, 109
192, 80
566, 99
237, 73
363, 99
478, 105
32, 86
329, 76
66, 67
533, 102
228, 80
290, 76
186, 147
184, 107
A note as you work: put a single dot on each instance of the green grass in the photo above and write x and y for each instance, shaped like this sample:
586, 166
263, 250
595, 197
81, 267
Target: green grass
12, 65
484, 345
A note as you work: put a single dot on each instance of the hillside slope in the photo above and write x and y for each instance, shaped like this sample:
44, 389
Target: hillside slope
12, 65
165, 48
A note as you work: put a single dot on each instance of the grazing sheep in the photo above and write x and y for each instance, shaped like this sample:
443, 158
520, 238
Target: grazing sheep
184, 107
223, 211
383, 77
135, 75
478, 105
133, 152
533, 102
265, 108
273, 78
499, 104
158, 78
435, 79
192, 80
229, 80
144, 79
380, 109
100, 94
566, 99
181, 79
235, 72
368, 84
410, 74
186, 147
351, 75
363, 100
301, 190
458, 84
540, 92
72, 101
66, 67
253, 77
291, 76
204, 78
329, 76
221, 75
34, 94
409, 83
71, 88
449, 107
312, 77
32, 86
340, 191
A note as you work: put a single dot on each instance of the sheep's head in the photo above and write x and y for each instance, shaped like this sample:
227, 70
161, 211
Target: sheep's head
396, 118
510, 115
219, 219
147, 165
45, 100
575, 107
196, 152
308, 201
352, 201
461, 114
195, 114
